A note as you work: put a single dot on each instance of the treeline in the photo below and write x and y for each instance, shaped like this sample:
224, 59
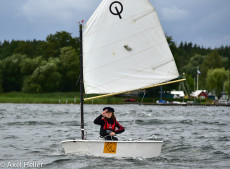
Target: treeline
213, 66
53, 65
40, 66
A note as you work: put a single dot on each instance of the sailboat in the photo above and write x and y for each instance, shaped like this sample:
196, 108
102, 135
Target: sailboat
123, 49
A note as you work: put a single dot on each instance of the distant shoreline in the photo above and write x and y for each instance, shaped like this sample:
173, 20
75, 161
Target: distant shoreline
54, 98
212, 105
74, 98
144, 104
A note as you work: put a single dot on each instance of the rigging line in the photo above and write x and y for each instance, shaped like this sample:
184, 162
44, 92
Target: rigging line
137, 110
78, 80
149, 90
189, 89
184, 88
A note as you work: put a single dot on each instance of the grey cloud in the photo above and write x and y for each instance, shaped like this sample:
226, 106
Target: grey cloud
174, 13
205, 22
55, 10
202, 21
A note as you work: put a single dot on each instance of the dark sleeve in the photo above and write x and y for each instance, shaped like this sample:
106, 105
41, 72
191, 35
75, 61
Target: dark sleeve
99, 120
120, 129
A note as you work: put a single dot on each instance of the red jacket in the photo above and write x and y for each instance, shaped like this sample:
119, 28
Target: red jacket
108, 124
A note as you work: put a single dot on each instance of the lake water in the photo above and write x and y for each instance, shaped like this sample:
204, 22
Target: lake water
194, 137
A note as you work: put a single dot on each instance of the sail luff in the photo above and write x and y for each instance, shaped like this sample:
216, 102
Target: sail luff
113, 94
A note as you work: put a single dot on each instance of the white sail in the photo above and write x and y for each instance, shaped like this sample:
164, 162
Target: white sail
125, 48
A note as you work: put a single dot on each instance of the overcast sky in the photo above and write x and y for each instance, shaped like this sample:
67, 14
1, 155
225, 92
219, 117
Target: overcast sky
204, 22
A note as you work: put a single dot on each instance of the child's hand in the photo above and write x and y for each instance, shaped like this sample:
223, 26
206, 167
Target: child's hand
112, 134
104, 112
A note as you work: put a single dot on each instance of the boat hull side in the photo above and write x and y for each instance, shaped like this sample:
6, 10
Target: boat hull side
129, 149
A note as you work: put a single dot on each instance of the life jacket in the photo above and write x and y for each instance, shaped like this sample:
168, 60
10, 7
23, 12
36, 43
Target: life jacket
108, 126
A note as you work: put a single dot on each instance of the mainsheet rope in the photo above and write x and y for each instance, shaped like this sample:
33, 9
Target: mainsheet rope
136, 113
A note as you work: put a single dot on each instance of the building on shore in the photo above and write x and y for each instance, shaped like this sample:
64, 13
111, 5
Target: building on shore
202, 94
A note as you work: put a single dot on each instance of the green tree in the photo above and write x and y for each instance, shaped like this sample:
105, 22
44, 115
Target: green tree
175, 51
1, 77
215, 80
31, 85
225, 62
23, 47
227, 83
12, 79
45, 78
70, 68
224, 51
227, 87
57, 41
28, 65
6, 50
212, 61
194, 62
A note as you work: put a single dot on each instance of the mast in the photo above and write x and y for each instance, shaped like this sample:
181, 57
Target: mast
81, 84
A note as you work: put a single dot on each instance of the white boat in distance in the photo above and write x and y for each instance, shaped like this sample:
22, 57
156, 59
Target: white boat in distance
123, 49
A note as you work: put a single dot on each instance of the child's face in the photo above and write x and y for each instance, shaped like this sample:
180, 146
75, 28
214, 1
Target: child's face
108, 115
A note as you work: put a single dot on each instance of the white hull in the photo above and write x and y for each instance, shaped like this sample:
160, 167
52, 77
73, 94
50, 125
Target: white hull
101, 148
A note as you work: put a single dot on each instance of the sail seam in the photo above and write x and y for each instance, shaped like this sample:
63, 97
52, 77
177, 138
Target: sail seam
101, 29
123, 77
128, 37
124, 58
139, 71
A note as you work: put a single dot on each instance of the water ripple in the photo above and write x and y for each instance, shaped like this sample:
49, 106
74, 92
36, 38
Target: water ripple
194, 137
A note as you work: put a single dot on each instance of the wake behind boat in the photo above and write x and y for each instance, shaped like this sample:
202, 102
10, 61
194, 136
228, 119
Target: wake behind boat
123, 49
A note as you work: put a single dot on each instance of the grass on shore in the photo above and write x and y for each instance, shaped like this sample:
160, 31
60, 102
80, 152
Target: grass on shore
53, 98
73, 98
